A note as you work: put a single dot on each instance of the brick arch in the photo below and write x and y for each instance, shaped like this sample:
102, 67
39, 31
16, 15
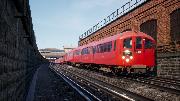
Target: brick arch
173, 8
150, 27
127, 30
175, 25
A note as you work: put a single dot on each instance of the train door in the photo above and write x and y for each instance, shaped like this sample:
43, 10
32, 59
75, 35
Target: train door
138, 51
149, 51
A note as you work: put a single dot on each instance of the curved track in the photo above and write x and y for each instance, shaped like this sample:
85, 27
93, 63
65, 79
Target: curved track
110, 89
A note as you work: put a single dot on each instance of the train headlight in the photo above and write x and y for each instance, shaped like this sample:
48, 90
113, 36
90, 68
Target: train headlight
131, 57
127, 60
123, 57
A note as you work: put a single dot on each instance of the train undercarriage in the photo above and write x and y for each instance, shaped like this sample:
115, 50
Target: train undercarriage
118, 70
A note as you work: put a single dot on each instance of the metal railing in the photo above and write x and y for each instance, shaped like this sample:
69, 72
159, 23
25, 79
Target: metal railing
131, 4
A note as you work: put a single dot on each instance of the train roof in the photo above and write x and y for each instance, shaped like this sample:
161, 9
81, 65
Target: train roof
121, 36
114, 37
132, 33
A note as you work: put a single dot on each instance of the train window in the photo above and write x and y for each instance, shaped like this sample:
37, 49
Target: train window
79, 52
138, 43
101, 48
105, 47
114, 45
148, 44
109, 46
94, 49
127, 43
87, 50
91, 49
98, 48
76, 52
82, 52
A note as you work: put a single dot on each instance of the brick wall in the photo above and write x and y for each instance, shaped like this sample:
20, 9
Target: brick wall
158, 11
169, 65
19, 56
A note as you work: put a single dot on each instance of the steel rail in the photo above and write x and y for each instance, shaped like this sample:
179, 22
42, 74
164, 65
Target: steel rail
156, 84
111, 89
83, 92
153, 84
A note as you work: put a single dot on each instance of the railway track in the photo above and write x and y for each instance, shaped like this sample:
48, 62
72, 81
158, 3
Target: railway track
109, 89
164, 84
160, 83
79, 89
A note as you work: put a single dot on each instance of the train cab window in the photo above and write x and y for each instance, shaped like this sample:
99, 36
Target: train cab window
127, 43
148, 44
138, 43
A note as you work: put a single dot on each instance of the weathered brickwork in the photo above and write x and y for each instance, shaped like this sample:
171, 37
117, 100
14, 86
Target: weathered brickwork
169, 66
154, 18
19, 56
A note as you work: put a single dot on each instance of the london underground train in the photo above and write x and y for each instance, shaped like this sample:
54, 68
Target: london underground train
127, 52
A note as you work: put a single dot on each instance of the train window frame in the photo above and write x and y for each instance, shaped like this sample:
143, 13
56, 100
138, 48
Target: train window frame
130, 43
141, 41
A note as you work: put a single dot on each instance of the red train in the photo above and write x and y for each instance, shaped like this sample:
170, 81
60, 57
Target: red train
127, 52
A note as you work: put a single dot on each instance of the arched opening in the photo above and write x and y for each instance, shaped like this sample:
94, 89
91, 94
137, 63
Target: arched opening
175, 26
150, 27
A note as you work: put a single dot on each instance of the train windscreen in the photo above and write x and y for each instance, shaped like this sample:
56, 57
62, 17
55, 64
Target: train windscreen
148, 44
127, 43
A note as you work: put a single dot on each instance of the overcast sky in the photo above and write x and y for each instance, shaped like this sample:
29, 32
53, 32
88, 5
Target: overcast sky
59, 23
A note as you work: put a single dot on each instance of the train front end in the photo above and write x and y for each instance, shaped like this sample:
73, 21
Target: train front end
138, 53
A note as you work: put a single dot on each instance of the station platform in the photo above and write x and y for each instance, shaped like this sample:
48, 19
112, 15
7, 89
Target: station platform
47, 86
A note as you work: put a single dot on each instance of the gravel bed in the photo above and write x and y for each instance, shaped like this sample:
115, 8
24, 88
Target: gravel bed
139, 88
